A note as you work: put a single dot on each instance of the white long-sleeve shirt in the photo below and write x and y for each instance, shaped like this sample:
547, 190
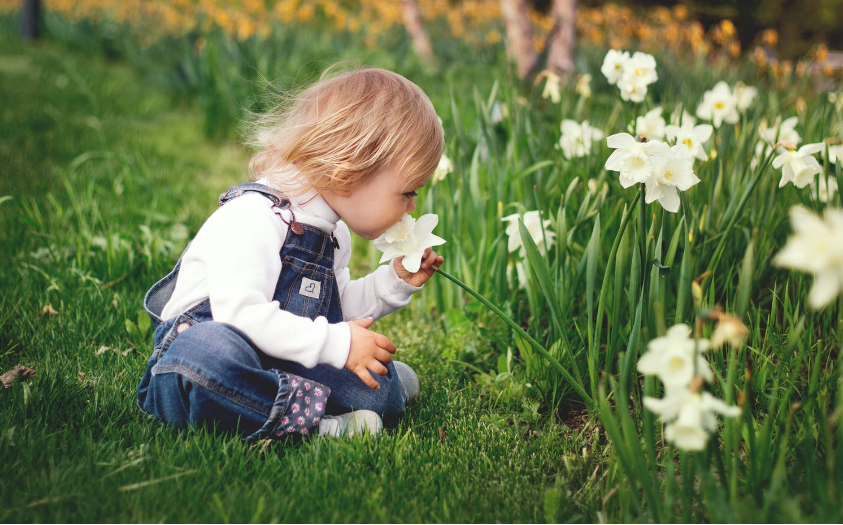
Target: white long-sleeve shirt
234, 261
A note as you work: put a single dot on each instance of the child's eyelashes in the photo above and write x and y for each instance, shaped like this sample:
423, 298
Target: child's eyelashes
410, 194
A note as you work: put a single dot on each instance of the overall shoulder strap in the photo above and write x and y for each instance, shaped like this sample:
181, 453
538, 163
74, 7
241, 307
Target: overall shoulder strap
278, 201
253, 187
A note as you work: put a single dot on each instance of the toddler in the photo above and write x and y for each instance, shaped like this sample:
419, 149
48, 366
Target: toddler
259, 327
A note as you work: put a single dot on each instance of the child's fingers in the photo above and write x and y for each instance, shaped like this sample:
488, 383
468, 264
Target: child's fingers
429, 258
366, 322
383, 356
368, 379
378, 368
384, 342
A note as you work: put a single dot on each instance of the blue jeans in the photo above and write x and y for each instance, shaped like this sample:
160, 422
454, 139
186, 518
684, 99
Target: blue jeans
206, 372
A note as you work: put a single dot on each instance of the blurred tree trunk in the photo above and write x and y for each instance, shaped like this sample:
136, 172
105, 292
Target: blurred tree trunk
519, 36
560, 56
29, 19
415, 28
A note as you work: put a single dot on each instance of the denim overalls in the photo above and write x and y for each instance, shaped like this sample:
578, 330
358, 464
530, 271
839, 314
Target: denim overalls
203, 371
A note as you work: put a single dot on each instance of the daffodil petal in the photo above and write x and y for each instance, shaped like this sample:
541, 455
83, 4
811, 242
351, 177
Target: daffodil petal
426, 223
412, 262
620, 140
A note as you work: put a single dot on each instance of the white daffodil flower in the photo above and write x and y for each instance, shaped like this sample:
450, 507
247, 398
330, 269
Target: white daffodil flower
632, 158
691, 416
799, 166
552, 84
774, 136
632, 89
744, 96
672, 171
443, 169
538, 232
730, 330
614, 64
835, 154
694, 137
577, 138
400, 231
410, 238
651, 125
642, 67
784, 132
673, 357
632, 74
816, 247
719, 105
499, 113
682, 118
519, 274
825, 191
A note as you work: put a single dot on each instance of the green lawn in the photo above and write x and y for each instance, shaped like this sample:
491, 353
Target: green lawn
108, 180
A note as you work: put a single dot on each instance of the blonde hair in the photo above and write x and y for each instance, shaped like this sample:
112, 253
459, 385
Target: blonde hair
342, 130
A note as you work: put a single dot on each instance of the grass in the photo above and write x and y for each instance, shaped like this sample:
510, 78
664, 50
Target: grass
102, 169
109, 178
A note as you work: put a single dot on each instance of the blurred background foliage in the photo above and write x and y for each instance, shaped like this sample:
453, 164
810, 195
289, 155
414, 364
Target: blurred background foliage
222, 52
799, 24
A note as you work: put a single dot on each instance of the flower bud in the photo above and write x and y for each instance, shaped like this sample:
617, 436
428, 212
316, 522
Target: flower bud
696, 291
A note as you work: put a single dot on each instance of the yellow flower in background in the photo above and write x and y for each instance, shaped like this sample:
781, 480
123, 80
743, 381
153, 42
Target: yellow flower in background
680, 12
821, 53
770, 37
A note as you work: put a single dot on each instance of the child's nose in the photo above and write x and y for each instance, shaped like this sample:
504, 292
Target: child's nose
411, 206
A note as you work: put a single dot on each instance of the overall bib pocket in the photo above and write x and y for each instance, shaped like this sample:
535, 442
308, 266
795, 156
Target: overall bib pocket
304, 288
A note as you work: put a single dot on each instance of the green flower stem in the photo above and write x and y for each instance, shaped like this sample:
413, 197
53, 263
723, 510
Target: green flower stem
601, 305
539, 348
642, 241
718, 252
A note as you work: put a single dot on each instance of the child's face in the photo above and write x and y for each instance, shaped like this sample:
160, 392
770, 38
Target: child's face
376, 205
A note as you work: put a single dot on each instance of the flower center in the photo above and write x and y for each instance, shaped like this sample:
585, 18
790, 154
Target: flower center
719, 105
675, 364
637, 163
688, 142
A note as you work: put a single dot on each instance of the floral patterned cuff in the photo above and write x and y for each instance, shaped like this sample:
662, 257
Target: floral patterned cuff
305, 406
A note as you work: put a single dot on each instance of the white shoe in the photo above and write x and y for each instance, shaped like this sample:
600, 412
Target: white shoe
347, 425
408, 379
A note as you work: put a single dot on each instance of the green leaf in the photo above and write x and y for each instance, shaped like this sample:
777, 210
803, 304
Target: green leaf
745, 282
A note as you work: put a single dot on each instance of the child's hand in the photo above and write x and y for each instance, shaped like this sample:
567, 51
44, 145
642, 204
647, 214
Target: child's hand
369, 351
430, 263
